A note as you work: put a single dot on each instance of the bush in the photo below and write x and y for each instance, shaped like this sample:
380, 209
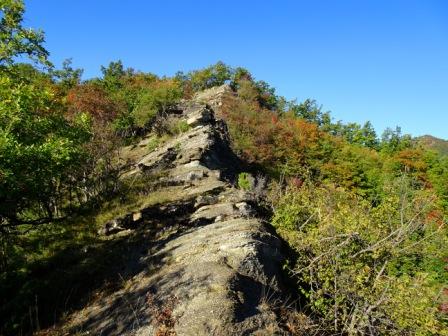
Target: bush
211, 76
245, 181
273, 141
93, 99
156, 141
124, 125
364, 269
39, 151
156, 100
178, 127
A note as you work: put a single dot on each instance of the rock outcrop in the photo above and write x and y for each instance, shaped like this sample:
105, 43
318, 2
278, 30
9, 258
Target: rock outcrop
216, 270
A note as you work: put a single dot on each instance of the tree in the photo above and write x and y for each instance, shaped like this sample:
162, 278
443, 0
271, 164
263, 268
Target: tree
363, 269
37, 145
266, 95
17, 41
354, 133
393, 140
26, 73
438, 175
37, 149
156, 100
368, 136
112, 75
311, 112
68, 77
211, 76
240, 75
91, 98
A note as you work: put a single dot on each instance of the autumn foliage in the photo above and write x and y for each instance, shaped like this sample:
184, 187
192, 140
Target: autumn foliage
263, 136
92, 99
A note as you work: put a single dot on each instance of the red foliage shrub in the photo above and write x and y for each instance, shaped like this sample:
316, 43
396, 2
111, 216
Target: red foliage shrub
443, 308
263, 136
296, 182
93, 99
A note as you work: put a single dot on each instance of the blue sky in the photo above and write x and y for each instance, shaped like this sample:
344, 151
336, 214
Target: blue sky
384, 61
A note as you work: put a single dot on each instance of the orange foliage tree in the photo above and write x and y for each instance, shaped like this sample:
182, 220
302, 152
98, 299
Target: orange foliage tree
92, 99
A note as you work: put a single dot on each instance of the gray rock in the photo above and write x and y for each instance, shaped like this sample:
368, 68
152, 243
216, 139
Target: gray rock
195, 175
193, 164
245, 209
206, 200
200, 117
210, 275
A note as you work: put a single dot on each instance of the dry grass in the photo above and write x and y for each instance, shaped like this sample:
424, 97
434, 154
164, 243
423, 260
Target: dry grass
288, 317
162, 313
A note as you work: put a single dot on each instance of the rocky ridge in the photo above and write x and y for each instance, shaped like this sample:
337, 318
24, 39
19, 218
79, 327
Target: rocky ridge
217, 270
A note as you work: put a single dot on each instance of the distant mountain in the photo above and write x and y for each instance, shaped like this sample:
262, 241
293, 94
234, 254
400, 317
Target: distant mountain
434, 143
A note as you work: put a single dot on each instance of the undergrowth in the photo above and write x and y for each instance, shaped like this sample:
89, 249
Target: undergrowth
53, 268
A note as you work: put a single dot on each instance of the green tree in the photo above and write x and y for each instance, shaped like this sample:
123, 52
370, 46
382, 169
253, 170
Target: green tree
68, 77
27, 73
266, 95
438, 176
112, 75
156, 101
364, 135
37, 145
211, 76
310, 111
368, 137
393, 140
17, 41
240, 74
37, 149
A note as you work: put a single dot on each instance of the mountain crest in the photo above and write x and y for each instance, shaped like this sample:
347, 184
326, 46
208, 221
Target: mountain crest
213, 263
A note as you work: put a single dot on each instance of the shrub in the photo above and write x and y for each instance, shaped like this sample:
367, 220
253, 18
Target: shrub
211, 76
124, 125
93, 99
245, 181
39, 150
364, 269
264, 137
156, 141
178, 127
156, 100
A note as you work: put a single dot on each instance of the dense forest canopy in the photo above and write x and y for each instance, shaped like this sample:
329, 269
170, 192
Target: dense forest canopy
365, 214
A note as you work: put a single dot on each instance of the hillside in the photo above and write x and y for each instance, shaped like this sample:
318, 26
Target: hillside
209, 265
189, 243
431, 142
206, 204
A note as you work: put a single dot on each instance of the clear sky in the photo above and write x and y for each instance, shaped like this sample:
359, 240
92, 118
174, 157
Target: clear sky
379, 60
